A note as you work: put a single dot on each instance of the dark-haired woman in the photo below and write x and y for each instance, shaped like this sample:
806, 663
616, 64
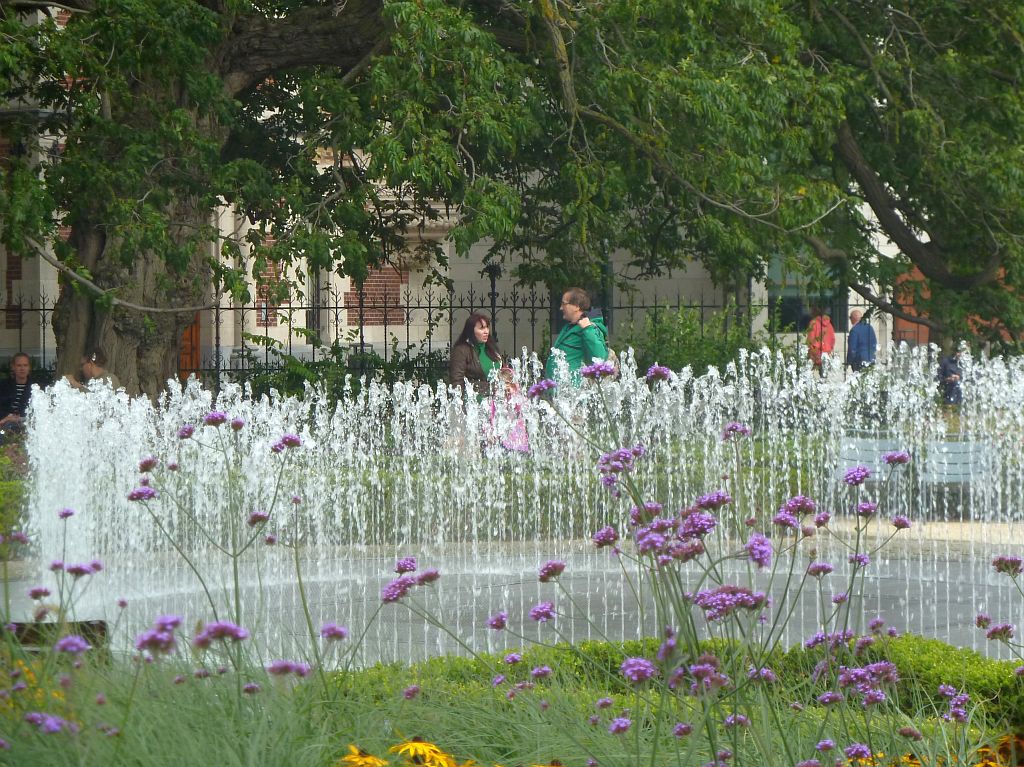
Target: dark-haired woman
474, 355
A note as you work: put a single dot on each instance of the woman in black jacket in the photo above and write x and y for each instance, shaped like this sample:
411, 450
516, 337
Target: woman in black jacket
474, 355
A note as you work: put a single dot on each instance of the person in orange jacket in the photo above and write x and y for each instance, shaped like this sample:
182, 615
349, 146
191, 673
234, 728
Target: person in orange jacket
821, 336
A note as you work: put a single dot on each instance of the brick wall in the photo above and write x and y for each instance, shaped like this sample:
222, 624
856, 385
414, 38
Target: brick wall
266, 283
382, 288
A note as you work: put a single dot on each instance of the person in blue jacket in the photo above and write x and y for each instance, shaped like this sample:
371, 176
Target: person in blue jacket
861, 343
582, 340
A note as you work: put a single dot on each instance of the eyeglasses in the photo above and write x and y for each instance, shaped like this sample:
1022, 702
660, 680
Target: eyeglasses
568, 303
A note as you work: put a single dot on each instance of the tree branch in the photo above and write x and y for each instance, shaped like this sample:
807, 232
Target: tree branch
92, 287
926, 256
341, 36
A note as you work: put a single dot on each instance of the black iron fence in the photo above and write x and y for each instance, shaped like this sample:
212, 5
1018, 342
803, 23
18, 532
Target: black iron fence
413, 329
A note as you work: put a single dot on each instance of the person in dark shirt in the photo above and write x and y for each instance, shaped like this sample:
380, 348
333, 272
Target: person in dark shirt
949, 379
861, 343
15, 392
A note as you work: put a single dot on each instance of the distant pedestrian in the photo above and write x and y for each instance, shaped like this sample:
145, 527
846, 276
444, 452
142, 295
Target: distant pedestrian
821, 337
94, 368
474, 355
861, 343
949, 376
581, 340
15, 392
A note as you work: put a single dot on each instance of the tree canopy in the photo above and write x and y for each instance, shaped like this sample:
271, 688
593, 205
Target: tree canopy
731, 132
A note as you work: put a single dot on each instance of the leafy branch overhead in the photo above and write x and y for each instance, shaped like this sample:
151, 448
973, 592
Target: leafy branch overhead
722, 131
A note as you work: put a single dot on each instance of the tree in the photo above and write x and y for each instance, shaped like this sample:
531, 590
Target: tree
727, 131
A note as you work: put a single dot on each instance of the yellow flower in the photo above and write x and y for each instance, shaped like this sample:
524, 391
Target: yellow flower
420, 752
358, 758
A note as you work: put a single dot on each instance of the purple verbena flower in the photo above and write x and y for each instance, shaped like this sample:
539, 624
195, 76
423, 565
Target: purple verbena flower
250, 688
722, 601
982, 620
759, 550
65, 513
829, 698
598, 370
237, 423
411, 691
763, 674
291, 440
542, 612
900, 522
142, 493
215, 418
808, 763
826, 745
540, 387
822, 518
72, 644
1008, 565
512, 658
619, 725
785, 518
1001, 632
714, 500
551, 569
735, 429
218, 630
736, 720
333, 631
856, 476
697, 524
818, 569
186, 431
155, 641
658, 373
427, 575
859, 559
606, 536
405, 565
38, 592
866, 508
283, 667
147, 464
911, 732
637, 670
498, 621
857, 751
397, 588
799, 505
257, 518
896, 458
541, 672
682, 729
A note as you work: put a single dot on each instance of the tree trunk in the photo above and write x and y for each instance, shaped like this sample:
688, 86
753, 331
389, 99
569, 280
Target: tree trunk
142, 348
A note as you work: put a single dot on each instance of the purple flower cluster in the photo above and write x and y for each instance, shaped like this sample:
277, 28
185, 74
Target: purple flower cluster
696, 524
866, 682
759, 550
186, 431
658, 373
257, 518
538, 389
218, 630
619, 725
763, 674
957, 703
735, 429
541, 672
598, 370
49, 724
1001, 632
640, 514
400, 586
896, 458
498, 621
82, 569
612, 465
284, 667
542, 612
286, 441
411, 691
866, 508
143, 493
857, 751
832, 639
799, 505
706, 674
862, 560
901, 522
159, 640
606, 536
215, 418
72, 644
818, 569
38, 592
550, 569
714, 500
405, 565
856, 476
1008, 565
147, 464
333, 631
638, 670
723, 601
735, 720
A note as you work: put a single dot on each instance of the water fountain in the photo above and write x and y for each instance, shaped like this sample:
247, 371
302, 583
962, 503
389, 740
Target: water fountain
409, 471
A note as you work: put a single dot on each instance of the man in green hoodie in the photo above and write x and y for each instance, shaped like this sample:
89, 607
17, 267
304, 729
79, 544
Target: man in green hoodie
582, 339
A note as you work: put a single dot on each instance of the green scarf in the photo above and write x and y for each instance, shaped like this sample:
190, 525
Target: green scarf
485, 361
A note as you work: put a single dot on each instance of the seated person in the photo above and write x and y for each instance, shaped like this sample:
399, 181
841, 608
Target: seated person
94, 368
15, 392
